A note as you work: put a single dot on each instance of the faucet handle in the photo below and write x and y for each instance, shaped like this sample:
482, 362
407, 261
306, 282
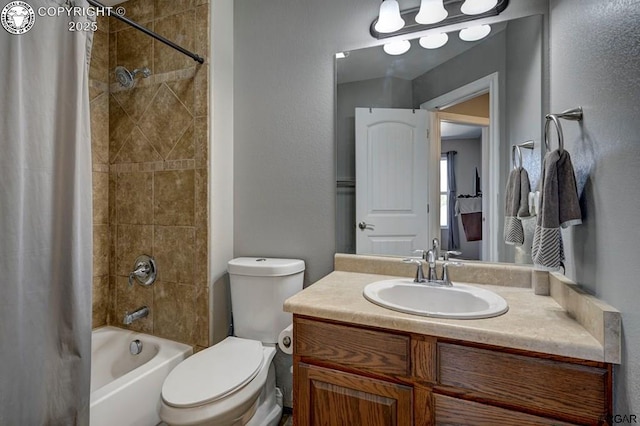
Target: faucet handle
445, 271
419, 272
447, 253
423, 253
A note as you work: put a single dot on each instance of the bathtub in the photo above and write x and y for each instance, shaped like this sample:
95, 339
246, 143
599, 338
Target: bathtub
125, 388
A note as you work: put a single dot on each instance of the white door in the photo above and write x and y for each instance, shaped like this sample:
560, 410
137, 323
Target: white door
391, 181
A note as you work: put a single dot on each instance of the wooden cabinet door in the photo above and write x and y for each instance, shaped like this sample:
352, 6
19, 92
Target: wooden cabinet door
329, 397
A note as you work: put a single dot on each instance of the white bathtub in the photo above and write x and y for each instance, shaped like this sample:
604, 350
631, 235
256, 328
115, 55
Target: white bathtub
125, 388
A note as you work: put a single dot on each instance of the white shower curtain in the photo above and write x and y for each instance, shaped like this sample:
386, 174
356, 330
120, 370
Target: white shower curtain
45, 223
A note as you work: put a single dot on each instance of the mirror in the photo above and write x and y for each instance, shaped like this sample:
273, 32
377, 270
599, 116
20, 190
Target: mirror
418, 82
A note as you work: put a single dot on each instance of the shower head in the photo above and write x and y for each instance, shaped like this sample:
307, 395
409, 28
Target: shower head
127, 78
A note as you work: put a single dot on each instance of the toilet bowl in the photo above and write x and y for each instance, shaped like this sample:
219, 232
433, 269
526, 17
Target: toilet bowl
223, 385
233, 383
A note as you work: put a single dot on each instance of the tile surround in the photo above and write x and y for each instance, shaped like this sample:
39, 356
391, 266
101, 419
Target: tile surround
99, 113
150, 146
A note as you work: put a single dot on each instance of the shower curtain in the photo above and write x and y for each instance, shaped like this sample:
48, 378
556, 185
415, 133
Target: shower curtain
45, 220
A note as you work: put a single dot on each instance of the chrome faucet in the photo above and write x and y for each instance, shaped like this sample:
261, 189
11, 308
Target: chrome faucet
431, 260
435, 246
446, 281
432, 274
419, 272
129, 318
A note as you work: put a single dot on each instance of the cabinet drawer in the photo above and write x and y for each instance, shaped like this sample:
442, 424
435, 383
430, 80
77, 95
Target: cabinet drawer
561, 389
352, 347
453, 411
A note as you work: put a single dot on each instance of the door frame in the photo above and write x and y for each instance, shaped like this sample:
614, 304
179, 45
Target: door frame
490, 157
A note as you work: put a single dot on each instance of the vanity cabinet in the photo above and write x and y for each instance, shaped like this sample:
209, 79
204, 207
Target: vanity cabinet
353, 375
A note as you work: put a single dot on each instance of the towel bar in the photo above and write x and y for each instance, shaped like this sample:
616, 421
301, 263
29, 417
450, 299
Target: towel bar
574, 114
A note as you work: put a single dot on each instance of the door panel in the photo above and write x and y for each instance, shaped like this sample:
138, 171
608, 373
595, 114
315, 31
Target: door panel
391, 180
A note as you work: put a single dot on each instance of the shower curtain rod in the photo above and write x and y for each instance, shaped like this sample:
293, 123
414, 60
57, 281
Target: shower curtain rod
147, 31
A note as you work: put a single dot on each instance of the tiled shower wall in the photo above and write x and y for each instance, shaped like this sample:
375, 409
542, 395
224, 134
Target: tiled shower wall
157, 179
99, 105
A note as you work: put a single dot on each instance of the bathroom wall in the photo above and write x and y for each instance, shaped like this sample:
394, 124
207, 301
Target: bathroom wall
157, 159
595, 46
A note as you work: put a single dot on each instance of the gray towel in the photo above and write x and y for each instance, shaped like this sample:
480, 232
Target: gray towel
559, 207
516, 205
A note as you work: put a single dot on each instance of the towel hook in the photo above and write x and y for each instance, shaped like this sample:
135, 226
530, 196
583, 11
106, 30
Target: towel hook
574, 114
554, 118
518, 148
514, 149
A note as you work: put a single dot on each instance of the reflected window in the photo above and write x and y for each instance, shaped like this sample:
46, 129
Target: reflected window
444, 197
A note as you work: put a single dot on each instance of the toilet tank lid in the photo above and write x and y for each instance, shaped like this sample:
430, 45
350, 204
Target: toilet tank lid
265, 267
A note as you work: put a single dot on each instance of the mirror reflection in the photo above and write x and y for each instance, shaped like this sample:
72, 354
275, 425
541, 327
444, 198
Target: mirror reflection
410, 126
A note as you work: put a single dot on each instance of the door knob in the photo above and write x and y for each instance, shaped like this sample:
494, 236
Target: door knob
364, 225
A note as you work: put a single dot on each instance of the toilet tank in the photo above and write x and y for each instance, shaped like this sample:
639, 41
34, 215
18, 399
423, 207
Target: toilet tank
259, 287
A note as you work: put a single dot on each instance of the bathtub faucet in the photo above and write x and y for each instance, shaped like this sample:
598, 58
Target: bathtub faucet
129, 318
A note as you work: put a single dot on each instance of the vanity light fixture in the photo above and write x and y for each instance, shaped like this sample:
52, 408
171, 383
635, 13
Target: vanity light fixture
397, 47
475, 33
389, 19
342, 55
431, 12
434, 41
412, 20
476, 7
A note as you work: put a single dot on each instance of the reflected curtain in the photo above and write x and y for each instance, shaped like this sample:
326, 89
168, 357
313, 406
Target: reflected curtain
45, 223
452, 220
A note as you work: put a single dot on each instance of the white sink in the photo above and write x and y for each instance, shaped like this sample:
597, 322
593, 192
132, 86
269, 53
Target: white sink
460, 301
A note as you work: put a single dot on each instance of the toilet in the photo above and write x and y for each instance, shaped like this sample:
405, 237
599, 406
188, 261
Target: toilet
233, 382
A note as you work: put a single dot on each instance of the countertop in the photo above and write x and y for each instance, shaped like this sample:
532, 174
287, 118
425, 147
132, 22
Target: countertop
534, 323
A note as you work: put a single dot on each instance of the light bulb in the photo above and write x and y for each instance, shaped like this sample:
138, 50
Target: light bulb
475, 33
397, 47
476, 7
389, 19
431, 11
434, 41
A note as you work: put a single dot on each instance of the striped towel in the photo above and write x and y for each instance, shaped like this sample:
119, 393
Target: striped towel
516, 206
559, 207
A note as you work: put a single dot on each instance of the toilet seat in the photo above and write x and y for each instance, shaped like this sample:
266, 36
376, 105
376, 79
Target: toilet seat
213, 373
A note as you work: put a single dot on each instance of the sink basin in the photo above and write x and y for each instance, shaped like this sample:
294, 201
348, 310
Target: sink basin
460, 301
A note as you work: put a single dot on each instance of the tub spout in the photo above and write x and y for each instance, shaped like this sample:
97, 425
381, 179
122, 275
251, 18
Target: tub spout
129, 318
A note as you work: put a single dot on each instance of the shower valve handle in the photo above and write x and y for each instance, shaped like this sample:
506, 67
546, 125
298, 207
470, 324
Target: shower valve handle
144, 271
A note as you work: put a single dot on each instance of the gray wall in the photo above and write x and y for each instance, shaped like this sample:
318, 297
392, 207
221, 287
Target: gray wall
468, 158
595, 51
284, 93
484, 59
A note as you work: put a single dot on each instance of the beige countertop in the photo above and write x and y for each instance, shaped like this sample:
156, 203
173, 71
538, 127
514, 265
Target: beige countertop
533, 322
